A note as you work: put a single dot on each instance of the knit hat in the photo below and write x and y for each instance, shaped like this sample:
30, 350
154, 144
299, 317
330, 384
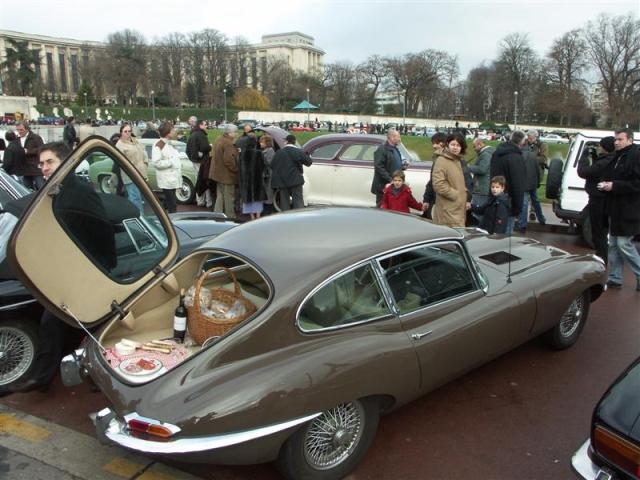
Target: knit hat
608, 144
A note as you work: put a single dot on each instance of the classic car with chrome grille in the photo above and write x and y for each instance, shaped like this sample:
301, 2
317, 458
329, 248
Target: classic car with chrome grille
357, 311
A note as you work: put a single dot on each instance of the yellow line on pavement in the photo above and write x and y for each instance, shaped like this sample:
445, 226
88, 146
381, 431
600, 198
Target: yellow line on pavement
123, 467
151, 475
10, 424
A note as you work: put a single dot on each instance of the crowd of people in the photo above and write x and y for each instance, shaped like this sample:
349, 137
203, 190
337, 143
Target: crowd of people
495, 191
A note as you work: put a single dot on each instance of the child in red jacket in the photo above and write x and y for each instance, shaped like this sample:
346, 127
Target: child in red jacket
397, 196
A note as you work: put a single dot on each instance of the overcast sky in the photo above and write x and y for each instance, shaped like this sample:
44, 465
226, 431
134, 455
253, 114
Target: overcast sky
349, 30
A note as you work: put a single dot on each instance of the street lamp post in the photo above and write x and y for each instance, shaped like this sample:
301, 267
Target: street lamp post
153, 104
85, 102
225, 105
515, 110
404, 110
308, 107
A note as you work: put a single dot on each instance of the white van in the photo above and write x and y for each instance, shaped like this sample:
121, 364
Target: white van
566, 188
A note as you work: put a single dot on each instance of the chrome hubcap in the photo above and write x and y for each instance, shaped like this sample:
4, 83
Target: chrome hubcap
333, 436
571, 319
16, 354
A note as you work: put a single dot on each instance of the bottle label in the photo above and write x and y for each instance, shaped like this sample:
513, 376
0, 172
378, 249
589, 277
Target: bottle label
179, 323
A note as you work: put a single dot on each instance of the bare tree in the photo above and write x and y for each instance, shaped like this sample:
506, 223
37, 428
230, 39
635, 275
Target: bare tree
170, 56
280, 77
127, 54
415, 71
566, 61
371, 73
215, 51
341, 84
613, 46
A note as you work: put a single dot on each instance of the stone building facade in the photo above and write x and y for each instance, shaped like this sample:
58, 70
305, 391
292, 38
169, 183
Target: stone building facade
62, 59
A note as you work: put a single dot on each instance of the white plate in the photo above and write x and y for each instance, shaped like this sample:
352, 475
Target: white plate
131, 364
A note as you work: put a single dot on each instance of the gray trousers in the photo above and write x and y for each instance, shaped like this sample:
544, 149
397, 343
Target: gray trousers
225, 200
288, 196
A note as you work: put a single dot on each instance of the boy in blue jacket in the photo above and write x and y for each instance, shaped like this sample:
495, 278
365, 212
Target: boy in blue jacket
495, 212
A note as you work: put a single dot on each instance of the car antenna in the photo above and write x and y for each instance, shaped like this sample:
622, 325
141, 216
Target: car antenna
509, 259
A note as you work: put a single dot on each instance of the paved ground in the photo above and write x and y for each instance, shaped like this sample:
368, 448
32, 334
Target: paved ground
519, 417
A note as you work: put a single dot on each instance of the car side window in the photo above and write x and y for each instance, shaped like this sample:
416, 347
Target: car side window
122, 240
326, 152
363, 152
427, 275
353, 297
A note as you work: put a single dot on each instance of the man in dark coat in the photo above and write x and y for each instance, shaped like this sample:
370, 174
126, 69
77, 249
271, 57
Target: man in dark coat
79, 208
69, 135
151, 131
29, 170
507, 161
286, 176
532, 182
386, 160
621, 182
13, 158
198, 151
591, 167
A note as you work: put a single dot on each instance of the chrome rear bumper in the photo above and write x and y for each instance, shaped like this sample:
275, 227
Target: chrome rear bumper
71, 369
584, 466
113, 429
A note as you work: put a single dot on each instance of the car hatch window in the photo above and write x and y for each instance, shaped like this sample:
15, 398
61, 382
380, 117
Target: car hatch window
427, 275
108, 228
353, 297
326, 152
363, 152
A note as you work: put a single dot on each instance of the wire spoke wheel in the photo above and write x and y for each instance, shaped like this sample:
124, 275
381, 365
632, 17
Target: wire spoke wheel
572, 318
333, 437
17, 352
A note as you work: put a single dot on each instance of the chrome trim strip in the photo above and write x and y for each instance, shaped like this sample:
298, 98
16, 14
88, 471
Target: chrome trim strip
583, 465
116, 432
16, 305
360, 264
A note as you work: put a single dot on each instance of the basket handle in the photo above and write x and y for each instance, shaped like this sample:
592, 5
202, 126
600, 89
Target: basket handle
196, 297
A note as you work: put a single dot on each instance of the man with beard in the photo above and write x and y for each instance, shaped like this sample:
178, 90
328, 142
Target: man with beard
507, 161
621, 182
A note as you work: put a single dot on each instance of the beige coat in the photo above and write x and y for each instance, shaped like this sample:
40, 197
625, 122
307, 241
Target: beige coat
451, 191
136, 154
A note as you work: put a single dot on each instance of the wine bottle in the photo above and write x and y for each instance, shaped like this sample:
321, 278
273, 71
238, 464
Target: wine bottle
180, 320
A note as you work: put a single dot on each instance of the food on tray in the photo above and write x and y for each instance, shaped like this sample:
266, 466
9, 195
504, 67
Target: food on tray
140, 366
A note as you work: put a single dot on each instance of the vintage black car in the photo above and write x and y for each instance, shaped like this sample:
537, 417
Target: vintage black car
612, 452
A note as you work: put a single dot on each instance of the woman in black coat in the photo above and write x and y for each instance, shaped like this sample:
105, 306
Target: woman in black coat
251, 169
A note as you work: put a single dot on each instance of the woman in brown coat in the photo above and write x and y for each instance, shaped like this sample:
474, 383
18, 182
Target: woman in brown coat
448, 183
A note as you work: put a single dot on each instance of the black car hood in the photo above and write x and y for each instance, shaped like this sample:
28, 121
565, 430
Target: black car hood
620, 406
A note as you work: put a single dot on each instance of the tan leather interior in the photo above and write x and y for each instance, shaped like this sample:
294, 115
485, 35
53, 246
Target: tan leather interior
151, 315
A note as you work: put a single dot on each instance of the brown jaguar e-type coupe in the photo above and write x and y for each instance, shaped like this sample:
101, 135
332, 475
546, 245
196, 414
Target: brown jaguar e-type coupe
358, 311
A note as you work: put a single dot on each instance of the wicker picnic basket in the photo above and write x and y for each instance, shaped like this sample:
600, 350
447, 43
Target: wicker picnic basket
203, 326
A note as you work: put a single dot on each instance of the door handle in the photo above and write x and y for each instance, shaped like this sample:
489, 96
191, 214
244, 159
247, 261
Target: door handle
418, 336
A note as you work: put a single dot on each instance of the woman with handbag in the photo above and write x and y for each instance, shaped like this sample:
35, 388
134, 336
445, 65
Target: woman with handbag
166, 160
136, 154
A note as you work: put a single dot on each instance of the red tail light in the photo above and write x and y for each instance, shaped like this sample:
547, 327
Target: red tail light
149, 426
617, 450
